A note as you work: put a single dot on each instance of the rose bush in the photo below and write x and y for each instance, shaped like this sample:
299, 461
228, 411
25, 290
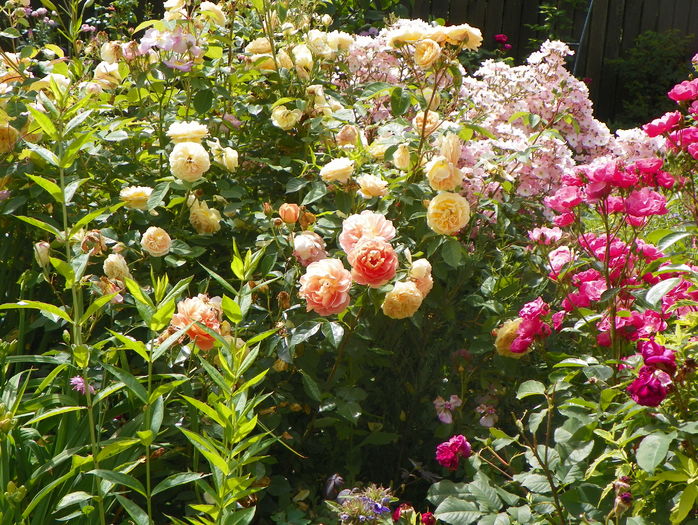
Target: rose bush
254, 255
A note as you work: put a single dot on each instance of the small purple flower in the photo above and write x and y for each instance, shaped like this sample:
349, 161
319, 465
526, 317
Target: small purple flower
78, 383
444, 408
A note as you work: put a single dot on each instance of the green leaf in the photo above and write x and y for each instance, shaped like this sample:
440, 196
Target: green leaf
534, 482
176, 480
399, 101
685, 504
208, 450
317, 191
37, 305
130, 381
654, 295
137, 514
84, 221
132, 344
485, 495
119, 478
333, 332
452, 252
51, 187
40, 224
45, 154
44, 122
653, 450
161, 317
116, 447
157, 197
77, 120
203, 101
457, 511
97, 305
53, 412
530, 388
311, 387
72, 499
374, 89
231, 309
204, 409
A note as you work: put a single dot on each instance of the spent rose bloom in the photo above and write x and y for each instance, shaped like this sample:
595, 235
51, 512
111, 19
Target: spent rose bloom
115, 267
205, 220
136, 197
189, 161
285, 118
505, 336
187, 132
199, 309
444, 408
450, 147
448, 213
8, 137
347, 136
337, 170
373, 262
401, 157
156, 241
308, 247
402, 301
449, 453
325, 287
367, 224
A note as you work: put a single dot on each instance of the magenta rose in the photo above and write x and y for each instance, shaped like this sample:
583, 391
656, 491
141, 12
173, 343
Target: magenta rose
448, 454
650, 388
645, 202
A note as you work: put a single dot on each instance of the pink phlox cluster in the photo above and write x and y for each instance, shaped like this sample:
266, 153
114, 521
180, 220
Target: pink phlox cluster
532, 325
371, 60
634, 144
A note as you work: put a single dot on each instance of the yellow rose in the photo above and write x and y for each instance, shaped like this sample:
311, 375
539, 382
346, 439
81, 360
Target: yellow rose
427, 125
228, 158
450, 147
110, 52
42, 252
285, 118
263, 62
442, 174
115, 267
136, 197
426, 52
339, 40
107, 75
448, 213
302, 57
377, 150
402, 301
431, 98
203, 219
213, 12
284, 60
470, 36
401, 157
156, 241
258, 46
347, 136
372, 186
505, 335
8, 137
189, 161
187, 132
338, 170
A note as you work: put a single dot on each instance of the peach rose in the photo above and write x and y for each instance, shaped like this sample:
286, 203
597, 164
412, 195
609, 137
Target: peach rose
505, 335
402, 301
420, 275
426, 52
205, 220
470, 36
368, 224
308, 247
448, 213
115, 267
258, 45
325, 287
373, 262
347, 136
156, 241
433, 121
199, 309
289, 213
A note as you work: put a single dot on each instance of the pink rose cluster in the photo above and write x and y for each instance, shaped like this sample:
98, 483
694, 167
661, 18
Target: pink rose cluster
532, 325
449, 453
681, 133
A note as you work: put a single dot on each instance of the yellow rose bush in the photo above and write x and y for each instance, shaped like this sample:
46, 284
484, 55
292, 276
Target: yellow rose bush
251, 255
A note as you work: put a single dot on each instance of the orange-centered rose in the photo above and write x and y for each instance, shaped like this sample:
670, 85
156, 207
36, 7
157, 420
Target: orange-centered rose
373, 262
325, 287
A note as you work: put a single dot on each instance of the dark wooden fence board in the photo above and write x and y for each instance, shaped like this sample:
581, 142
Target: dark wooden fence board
615, 24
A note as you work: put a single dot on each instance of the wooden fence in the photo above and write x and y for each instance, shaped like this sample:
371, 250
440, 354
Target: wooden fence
612, 29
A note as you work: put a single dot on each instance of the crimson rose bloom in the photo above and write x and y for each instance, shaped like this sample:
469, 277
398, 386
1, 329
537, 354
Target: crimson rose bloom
650, 388
448, 454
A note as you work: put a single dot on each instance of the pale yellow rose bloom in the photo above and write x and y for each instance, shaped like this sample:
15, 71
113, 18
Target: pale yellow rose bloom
443, 175
258, 46
302, 57
428, 126
347, 136
433, 100
470, 36
377, 150
420, 275
372, 186
213, 12
136, 197
401, 157
42, 253
187, 132
284, 60
450, 147
204, 219
337, 170
448, 213
115, 267
426, 52
107, 75
189, 161
285, 118
402, 301
110, 52
8, 137
156, 241
228, 158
